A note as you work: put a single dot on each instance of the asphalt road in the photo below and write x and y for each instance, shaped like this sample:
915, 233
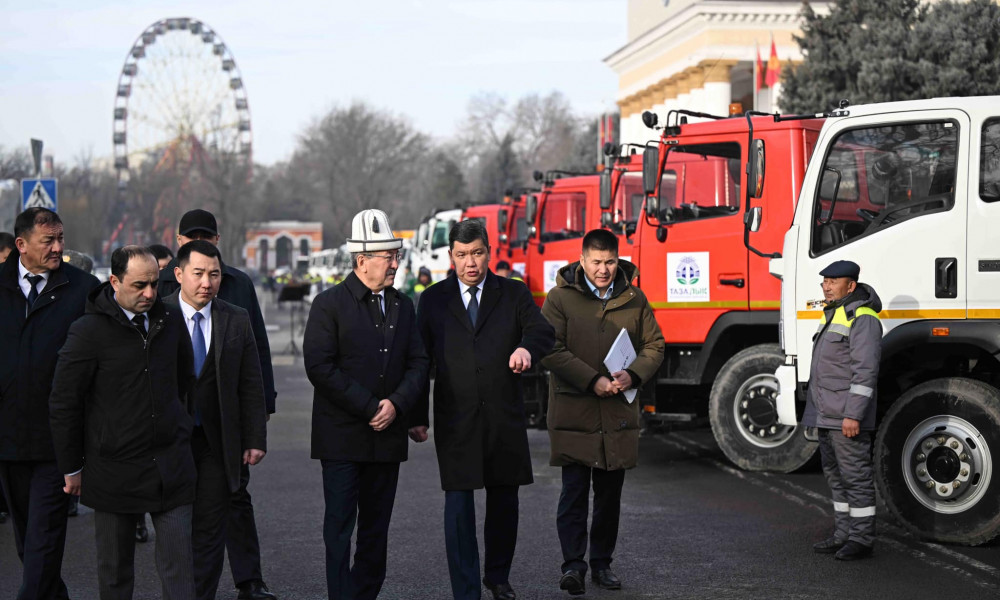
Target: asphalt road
693, 526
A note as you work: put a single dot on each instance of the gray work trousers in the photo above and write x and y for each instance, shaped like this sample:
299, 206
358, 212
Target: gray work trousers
847, 464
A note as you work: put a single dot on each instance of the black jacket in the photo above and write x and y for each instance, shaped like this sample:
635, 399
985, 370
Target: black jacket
479, 423
237, 289
354, 360
119, 408
29, 347
240, 393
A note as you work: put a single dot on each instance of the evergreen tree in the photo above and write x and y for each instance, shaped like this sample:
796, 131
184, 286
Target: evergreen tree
885, 50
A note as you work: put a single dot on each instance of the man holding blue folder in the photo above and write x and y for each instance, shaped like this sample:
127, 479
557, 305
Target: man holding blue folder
593, 427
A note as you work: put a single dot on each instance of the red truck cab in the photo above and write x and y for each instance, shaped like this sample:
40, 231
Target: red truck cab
715, 300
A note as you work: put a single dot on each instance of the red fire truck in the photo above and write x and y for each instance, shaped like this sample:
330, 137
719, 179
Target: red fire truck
714, 299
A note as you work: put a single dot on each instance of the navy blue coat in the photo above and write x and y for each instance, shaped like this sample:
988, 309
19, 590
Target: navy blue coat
354, 360
29, 347
480, 429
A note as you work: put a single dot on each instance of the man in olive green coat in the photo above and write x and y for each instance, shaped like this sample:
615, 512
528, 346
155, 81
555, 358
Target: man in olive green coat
593, 428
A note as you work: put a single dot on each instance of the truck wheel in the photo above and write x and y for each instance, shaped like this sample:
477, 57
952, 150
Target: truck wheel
934, 461
744, 417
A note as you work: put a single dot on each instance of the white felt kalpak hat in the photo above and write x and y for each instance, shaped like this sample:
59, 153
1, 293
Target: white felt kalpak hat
370, 231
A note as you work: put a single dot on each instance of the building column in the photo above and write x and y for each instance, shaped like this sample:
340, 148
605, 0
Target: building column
684, 91
718, 86
696, 101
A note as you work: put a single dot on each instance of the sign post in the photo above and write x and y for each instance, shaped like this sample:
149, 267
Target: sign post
39, 192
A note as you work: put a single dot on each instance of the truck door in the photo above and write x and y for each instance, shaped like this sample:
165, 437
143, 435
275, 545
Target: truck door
561, 227
983, 264
884, 196
699, 270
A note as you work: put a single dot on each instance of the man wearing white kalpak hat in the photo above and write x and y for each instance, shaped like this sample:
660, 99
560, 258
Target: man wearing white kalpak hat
367, 363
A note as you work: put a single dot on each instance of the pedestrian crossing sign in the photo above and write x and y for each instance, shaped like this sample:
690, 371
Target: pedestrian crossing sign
39, 193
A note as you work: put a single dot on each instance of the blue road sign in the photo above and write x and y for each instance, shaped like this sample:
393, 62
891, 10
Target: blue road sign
39, 193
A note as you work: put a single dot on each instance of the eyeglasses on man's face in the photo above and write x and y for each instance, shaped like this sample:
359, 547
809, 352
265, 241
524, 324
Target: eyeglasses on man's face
394, 257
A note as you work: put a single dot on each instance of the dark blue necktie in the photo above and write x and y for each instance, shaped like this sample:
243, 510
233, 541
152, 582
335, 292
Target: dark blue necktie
140, 324
473, 305
33, 282
198, 342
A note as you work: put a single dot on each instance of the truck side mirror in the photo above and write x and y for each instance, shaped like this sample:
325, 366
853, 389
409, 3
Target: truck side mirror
531, 208
753, 218
755, 169
605, 192
650, 168
652, 205
502, 220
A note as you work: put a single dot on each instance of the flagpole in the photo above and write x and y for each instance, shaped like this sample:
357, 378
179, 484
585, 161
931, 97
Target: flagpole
756, 60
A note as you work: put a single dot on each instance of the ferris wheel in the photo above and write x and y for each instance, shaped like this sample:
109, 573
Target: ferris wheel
180, 97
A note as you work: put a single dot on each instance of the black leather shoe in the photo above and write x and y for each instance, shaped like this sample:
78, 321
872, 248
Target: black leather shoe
255, 590
141, 533
853, 551
572, 582
605, 579
500, 591
828, 546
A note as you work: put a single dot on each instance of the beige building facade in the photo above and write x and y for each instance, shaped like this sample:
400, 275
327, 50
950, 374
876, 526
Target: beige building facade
700, 55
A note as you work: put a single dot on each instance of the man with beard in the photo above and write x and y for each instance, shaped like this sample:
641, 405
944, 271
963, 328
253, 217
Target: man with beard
121, 429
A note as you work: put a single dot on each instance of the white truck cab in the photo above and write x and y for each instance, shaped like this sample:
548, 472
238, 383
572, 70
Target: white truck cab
911, 192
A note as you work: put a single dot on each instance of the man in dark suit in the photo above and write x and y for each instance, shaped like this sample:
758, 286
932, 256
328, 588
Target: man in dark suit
237, 289
481, 331
230, 426
121, 429
364, 356
40, 296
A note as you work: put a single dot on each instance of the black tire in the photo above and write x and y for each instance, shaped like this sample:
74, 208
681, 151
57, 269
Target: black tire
750, 436
950, 408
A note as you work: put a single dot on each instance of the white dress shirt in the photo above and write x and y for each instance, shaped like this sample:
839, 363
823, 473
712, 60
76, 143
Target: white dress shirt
466, 296
206, 320
22, 273
131, 315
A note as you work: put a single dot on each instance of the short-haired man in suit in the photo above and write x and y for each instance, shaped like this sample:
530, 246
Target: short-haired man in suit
230, 418
482, 331
364, 356
236, 288
121, 427
40, 296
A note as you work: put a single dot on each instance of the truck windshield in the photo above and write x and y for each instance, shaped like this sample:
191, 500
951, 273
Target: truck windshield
440, 236
519, 233
563, 217
700, 181
875, 177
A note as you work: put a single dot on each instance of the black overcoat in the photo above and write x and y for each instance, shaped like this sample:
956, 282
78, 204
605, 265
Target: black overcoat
119, 408
237, 289
354, 360
240, 389
29, 348
480, 429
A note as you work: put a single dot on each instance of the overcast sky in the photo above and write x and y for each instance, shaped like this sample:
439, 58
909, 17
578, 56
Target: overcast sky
60, 61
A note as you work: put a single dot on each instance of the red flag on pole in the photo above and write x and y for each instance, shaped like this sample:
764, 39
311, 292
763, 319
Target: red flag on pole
759, 79
773, 66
